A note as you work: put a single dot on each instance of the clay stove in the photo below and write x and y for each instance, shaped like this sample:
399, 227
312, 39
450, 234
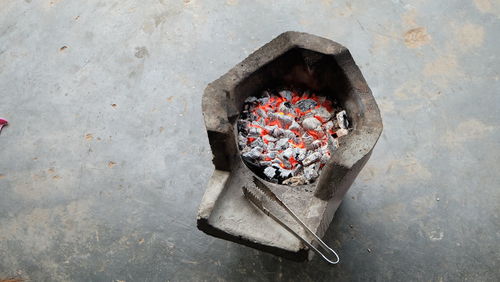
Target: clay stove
293, 60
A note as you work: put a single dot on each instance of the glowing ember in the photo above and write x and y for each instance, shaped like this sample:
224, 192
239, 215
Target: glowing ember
289, 137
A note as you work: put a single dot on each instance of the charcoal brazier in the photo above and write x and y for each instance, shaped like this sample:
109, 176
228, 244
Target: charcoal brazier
298, 60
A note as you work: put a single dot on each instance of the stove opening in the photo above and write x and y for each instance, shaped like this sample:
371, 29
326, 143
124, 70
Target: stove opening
287, 135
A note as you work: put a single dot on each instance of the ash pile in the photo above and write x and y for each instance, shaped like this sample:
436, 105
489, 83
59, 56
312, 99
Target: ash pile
288, 136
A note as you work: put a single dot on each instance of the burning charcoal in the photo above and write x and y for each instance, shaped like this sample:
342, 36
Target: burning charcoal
271, 146
289, 134
269, 138
254, 116
263, 100
322, 113
272, 115
310, 173
285, 173
311, 158
285, 107
250, 99
245, 150
276, 164
242, 144
285, 162
258, 143
295, 140
311, 123
253, 154
341, 132
289, 141
288, 153
286, 94
261, 113
294, 181
342, 120
327, 126
258, 123
315, 145
277, 132
241, 136
284, 120
305, 105
294, 126
272, 154
242, 141
269, 128
324, 150
282, 143
324, 158
318, 133
300, 154
244, 114
254, 132
242, 125
265, 163
308, 139
317, 167
269, 172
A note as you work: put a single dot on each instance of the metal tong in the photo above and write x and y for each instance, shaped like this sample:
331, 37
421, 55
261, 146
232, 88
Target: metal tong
258, 197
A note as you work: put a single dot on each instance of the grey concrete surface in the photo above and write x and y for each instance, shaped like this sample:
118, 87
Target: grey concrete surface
106, 159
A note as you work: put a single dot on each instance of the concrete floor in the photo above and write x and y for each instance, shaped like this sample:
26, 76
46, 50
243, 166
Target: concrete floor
106, 158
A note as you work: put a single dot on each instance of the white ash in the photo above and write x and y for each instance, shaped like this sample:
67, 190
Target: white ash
289, 135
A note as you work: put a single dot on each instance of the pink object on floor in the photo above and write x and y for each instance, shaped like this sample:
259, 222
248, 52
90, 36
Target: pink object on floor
3, 122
